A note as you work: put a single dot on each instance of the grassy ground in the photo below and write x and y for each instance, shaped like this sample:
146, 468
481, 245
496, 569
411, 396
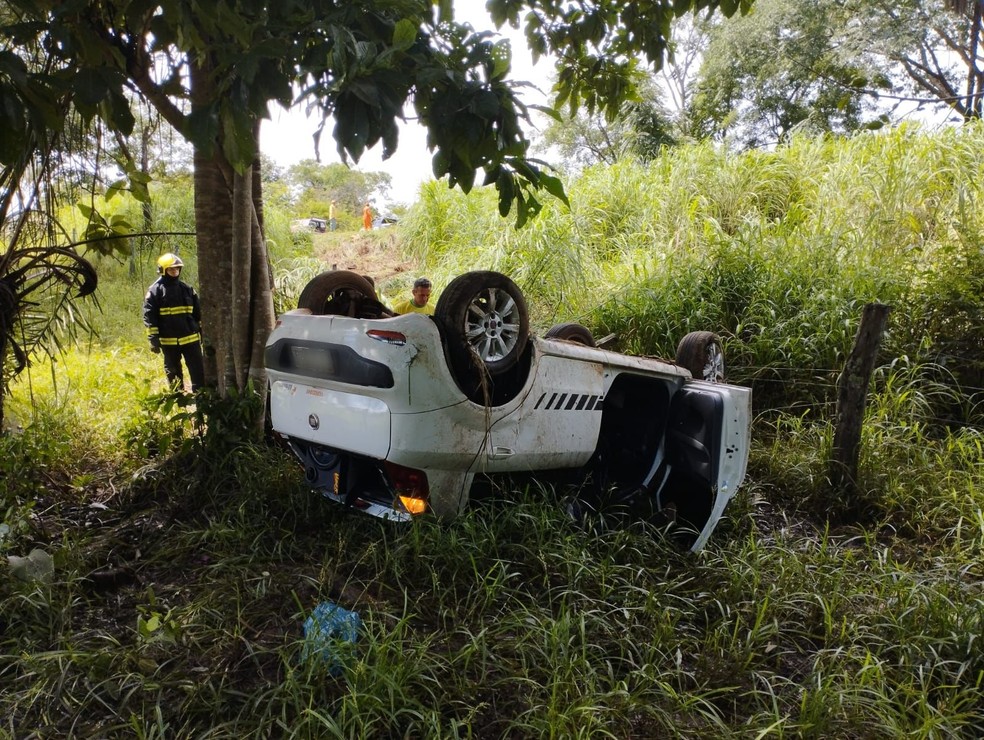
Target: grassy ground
184, 563
184, 571
181, 585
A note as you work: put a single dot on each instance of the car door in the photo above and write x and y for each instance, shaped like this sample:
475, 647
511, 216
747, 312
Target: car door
706, 454
555, 424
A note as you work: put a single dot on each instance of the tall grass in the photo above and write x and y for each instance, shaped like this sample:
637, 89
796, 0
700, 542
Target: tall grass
776, 251
509, 623
183, 572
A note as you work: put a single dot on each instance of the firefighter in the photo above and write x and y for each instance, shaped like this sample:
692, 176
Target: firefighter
172, 315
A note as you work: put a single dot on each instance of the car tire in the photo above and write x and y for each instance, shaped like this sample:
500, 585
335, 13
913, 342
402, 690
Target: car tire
485, 319
702, 353
571, 333
336, 293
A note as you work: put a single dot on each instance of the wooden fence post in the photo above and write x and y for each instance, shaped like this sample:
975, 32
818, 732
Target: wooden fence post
852, 395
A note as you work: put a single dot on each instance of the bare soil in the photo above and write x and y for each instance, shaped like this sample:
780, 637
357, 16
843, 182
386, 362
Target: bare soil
377, 253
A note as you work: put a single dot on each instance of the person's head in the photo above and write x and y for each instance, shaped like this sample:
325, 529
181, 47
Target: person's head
169, 264
421, 291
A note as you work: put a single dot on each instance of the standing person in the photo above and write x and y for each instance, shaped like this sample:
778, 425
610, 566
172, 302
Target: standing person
367, 217
172, 315
332, 221
418, 301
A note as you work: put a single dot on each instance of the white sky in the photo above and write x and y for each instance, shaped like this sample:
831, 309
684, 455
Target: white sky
286, 138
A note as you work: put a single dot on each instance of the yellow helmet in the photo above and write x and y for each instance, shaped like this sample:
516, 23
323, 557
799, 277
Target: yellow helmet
168, 259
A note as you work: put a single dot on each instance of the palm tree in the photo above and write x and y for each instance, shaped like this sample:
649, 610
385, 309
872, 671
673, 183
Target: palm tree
41, 273
40, 282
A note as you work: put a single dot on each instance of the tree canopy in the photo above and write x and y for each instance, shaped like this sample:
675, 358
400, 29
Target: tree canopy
933, 50
837, 66
360, 65
641, 129
779, 68
316, 185
212, 67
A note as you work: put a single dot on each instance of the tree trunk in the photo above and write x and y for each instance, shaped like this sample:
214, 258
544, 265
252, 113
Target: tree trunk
148, 214
213, 223
851, 401
975, 78
234, 275
3, 363
261, 287
242, 240
234, 271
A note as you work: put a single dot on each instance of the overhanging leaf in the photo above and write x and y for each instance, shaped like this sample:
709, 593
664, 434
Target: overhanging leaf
404, 34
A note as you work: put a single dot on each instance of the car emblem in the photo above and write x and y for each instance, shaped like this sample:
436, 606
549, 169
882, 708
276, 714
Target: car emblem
313, 421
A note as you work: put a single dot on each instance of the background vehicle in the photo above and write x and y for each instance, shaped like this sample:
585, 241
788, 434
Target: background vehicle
396, 415
384, 221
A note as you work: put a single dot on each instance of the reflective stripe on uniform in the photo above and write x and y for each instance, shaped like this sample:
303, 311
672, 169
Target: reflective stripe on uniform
174, 341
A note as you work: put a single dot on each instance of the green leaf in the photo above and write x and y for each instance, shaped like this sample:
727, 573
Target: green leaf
486, 105
116, 111
139, 189
147, 627
12, 124
440, 165
237, 140
120, 225
527, 170
115, 188
507, 190
521, 212
404, 34
548, 111
502, 59
555, 187
203, 127
445, 11
90, 87
463, 174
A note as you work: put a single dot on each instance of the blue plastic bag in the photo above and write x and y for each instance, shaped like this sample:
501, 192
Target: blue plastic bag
330, 634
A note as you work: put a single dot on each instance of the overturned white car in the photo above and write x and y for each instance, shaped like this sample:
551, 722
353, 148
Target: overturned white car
397, 415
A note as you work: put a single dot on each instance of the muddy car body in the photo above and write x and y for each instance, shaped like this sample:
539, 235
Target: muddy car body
397, 415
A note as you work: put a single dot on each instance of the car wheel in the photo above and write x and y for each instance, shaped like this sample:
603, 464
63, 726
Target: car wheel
702, 354
484, 316
336, 293
571, 333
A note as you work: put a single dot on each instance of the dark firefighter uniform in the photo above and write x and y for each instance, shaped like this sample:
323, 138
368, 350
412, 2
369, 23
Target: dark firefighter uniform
172, 315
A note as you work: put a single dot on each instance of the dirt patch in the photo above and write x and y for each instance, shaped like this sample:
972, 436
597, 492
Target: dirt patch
378, 254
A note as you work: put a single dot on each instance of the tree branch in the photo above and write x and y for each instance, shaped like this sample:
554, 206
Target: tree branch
138, 66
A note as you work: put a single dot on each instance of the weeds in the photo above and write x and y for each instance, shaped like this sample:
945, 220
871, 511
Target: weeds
188, 555
508, 622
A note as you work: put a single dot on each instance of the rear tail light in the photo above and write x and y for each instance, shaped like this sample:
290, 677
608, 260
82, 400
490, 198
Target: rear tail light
411, 487
413, 505
389, 337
